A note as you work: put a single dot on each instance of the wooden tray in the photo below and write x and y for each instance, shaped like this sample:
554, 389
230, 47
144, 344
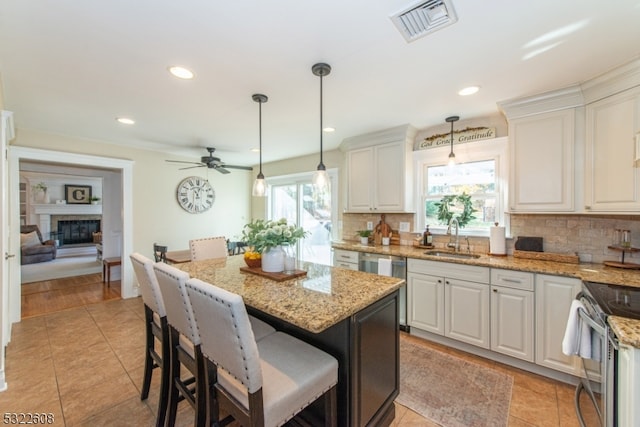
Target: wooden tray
617, 264
547, 256
278, 277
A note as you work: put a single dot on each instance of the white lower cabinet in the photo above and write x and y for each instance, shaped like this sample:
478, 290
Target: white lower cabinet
512, 302
628, 386
345, 259
467, 311
425, 297
554, 295
449, 299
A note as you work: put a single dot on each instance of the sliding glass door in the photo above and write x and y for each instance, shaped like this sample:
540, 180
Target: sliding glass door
293, 198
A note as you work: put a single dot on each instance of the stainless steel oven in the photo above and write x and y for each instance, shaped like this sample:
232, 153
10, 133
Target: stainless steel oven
604, 344
600, 301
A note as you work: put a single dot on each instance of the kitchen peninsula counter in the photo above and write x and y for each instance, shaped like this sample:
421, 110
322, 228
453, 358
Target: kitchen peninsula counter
315, 302
349, 314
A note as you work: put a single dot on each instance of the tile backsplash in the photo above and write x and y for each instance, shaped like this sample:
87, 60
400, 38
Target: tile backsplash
587, 235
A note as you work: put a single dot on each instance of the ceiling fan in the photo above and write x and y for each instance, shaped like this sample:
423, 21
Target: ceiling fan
211, 162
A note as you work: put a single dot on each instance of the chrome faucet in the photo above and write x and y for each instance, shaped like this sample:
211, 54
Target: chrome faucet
455, 245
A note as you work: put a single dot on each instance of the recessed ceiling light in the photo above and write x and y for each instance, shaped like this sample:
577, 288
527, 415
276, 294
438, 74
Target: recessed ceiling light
255, 150
181, 72
125, 120
469, 90
329, 129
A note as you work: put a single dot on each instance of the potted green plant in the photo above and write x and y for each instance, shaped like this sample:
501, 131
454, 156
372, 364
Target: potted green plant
266, 238
94, 200
364, 236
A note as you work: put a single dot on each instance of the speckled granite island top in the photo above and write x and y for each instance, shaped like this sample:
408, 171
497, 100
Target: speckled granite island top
627, 330
321, 299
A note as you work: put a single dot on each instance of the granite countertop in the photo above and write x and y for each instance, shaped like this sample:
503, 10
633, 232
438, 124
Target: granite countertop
315, 302
627, 330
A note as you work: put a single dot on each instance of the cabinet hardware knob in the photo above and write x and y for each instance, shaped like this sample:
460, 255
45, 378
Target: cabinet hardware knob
495, 290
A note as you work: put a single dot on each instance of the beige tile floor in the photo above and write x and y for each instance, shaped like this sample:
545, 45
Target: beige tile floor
84, 366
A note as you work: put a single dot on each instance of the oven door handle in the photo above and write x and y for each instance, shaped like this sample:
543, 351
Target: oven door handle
594, 325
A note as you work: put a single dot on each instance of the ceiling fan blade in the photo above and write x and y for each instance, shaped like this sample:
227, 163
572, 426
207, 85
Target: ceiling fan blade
191, 167
245, 168
222, 170
188, 163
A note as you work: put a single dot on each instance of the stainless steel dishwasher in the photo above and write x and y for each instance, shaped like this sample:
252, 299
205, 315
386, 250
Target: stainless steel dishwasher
369, 262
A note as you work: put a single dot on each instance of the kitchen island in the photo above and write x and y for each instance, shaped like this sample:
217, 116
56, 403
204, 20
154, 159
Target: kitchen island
349, 314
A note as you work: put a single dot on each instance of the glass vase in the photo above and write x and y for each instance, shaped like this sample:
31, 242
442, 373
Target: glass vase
273, 260
289, 257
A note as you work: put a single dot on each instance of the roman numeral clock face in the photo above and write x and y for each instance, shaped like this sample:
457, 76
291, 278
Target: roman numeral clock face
195, 194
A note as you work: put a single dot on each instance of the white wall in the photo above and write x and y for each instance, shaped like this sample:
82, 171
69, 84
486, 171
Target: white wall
157, 217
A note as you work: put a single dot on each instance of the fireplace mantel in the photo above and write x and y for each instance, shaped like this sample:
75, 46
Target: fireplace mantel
55, 209
44, 212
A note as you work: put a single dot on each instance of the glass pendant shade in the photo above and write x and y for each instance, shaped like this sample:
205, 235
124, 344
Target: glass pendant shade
320, 180
259, 186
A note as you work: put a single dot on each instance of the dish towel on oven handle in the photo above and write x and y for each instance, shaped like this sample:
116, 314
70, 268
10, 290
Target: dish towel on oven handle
577, 335
384, 267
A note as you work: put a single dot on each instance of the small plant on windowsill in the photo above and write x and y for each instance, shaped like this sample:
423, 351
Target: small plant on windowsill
94, 200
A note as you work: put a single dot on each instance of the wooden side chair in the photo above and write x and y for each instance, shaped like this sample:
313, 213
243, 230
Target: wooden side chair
207, 248
260, 383
156, 326
159, 252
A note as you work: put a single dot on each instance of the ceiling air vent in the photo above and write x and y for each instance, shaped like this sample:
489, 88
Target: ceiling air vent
424, 18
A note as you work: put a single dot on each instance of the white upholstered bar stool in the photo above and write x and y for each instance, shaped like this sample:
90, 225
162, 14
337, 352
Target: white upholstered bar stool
260, 383
184, 348
207, 248
155, 319
185, 344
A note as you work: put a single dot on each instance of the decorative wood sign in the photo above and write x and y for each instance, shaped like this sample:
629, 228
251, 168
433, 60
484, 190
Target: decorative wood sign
459, 137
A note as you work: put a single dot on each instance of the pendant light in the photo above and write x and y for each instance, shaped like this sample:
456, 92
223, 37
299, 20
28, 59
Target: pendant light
320, 178
452, 156
259, 187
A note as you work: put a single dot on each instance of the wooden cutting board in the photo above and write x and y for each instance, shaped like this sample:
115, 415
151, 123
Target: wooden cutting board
547, 256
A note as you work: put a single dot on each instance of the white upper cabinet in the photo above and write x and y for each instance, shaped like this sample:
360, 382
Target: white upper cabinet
380, 171
612, 174
542, 141
542, 159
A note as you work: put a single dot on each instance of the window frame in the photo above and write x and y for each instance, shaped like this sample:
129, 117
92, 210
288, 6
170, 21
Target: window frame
487, 149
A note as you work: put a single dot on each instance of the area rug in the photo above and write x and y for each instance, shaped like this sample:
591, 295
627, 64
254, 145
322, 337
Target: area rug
451, 391
62, 266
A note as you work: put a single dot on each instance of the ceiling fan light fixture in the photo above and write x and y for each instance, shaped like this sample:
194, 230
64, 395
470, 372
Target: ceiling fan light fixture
452, 156
259, 186
320, 178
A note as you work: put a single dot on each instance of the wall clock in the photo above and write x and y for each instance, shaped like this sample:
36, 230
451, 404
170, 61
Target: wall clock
195, 194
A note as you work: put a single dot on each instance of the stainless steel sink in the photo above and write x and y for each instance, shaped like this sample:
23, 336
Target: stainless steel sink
458, 255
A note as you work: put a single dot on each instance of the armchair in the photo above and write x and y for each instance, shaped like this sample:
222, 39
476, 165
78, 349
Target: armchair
35, 250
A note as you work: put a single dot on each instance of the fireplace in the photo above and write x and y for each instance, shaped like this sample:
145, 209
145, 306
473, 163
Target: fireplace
77, 230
